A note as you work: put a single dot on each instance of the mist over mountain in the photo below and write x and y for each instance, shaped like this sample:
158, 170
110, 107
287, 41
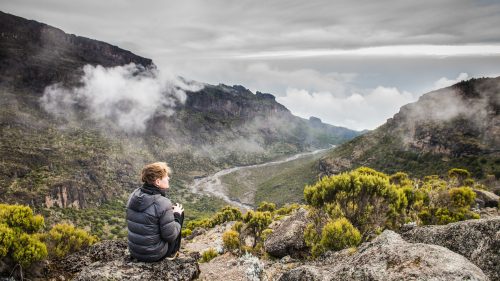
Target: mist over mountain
457, 126
81, 117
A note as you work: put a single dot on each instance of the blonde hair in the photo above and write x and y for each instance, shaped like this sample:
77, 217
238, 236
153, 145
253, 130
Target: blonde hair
154, 171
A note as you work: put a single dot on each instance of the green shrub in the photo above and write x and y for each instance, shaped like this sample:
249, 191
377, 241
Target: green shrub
257, 220
312, 239
339, 234
287, 209
186, 232
440, 216
265, 233
21, 217
231, 240
462, 196
365, 197
65, 238
401, 179
228, 213
266, 206
469, 182
203, 222
28, 249
7, 237
208, 255
458, 176
237, 226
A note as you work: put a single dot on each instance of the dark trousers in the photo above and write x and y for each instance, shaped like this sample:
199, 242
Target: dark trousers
176, 245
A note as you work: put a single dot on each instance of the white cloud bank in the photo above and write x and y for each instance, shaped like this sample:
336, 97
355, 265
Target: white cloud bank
358, 110
355, 111
444, 82
127, 95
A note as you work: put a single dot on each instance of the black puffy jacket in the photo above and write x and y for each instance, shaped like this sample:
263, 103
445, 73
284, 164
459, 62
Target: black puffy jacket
151, 224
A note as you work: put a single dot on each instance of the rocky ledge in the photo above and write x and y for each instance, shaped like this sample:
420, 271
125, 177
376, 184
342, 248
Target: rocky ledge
388, 257
110, 260
477, 240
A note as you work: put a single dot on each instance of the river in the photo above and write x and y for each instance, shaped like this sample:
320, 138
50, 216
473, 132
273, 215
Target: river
212, 185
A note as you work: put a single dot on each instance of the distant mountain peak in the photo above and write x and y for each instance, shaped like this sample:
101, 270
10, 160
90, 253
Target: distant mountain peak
454, 126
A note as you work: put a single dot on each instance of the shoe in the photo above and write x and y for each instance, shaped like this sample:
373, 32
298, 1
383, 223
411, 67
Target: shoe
176, 255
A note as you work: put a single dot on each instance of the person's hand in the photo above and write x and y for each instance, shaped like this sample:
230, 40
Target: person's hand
178, 208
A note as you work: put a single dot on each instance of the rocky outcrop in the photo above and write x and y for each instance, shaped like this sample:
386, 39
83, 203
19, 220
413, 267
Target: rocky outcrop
34, 55
288, 237
486, 198
477, 240
110, 260
389, 257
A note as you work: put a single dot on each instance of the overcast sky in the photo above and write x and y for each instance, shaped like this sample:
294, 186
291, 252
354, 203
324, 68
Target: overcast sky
350, 63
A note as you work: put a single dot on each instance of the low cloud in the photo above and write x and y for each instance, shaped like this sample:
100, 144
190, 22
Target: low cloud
126, 95
356, 111
444, 82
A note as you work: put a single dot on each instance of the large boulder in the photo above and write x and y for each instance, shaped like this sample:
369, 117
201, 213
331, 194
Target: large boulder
389, 257
288, 237
110, 260
477, 240
486, 198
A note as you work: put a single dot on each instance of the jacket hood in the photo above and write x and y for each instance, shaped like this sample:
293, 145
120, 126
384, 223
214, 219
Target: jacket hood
140, 201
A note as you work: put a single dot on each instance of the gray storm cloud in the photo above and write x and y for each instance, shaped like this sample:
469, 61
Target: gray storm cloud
126, 95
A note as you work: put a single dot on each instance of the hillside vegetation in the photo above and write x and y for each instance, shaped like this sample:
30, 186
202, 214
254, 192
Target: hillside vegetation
456, 126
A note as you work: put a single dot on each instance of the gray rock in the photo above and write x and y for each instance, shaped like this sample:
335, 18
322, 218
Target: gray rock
389, 257
488, 212
288, 237
486, 198
477, 240
306, 273
110, 260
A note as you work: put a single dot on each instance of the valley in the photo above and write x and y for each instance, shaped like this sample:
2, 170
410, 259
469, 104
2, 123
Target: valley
246, 186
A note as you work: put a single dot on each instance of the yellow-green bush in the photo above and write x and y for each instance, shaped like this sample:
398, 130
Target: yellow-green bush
28, 249
208, 255
20, 217
65, 238
228, 213
266, 206
339, 234
265, 233
231, 240
336, 234
365, 197
287, 209
7, 237
459, 176
372, 201
237, 226
469, 182
444, 203
186, 232
21, 237
257, 220
401, 179
462, 196
312, 239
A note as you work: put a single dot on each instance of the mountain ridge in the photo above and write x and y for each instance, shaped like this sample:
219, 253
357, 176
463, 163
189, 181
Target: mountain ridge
80, 160
454, 126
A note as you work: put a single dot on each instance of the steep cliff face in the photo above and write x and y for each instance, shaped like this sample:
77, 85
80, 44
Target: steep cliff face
458, 126
34, 55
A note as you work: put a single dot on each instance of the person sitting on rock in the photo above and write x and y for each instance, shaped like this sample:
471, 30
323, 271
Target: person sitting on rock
154, 224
